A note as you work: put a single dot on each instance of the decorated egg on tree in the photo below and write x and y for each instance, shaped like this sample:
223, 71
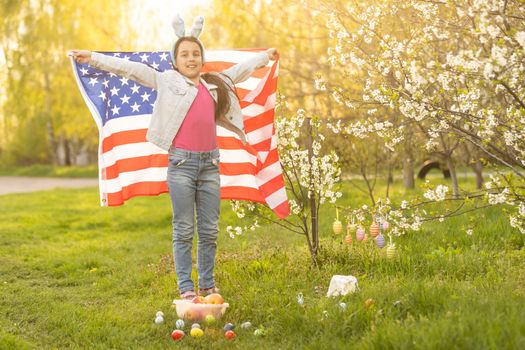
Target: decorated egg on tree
360, 233
385, 225
348, 239
365, 239
380, 241
374, 229
337, 226
391, 251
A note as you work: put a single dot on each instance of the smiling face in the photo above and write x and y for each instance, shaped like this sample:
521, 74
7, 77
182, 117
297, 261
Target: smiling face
188, 56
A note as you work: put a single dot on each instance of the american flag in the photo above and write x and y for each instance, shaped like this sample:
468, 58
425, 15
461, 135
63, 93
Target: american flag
130, 166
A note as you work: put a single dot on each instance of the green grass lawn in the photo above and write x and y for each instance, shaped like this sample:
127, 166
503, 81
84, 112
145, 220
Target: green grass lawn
74, 275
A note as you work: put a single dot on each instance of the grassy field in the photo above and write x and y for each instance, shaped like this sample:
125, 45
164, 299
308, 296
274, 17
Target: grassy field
74, 275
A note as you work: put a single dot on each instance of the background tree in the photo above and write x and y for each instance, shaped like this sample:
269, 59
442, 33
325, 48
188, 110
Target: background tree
43, 117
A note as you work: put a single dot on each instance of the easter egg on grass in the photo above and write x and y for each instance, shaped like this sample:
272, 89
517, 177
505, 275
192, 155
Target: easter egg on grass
374, 229
360, 233
159, 319
337, 227
196, 332
369, 303
380, 241
179, 324
229, 335
228, 327
246, 325
195, 325
177, 334
209, 320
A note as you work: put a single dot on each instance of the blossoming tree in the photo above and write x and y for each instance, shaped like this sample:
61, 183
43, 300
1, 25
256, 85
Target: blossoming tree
454, 71
311, 176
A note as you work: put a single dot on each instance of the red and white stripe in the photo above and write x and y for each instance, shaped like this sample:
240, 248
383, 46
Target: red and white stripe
130, 166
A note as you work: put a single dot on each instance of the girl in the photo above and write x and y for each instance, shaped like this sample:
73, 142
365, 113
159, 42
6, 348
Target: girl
189, 105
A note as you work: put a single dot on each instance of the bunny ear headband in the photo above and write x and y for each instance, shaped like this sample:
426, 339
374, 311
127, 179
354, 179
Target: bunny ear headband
180, 31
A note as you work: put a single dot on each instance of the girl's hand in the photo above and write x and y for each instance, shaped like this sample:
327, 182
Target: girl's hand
272, 54
81, 56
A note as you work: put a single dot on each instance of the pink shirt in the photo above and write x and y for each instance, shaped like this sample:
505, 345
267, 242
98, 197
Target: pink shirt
198, 131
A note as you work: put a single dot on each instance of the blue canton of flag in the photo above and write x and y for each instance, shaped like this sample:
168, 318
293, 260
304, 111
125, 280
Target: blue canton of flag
114, 96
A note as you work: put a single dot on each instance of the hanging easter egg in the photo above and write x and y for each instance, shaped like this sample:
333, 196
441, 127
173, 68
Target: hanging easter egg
360, 233
337, 227
374, 229
380, 241
348, 239
365, 239
391, 251
385, 225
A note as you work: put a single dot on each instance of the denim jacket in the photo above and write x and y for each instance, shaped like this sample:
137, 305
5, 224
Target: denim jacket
176, 93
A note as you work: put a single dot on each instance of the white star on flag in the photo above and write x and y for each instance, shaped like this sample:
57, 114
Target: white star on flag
135, 107
145, 96
114, 91
115, 109
135, 89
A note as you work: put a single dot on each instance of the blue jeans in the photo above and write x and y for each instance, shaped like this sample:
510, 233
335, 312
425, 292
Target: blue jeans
194, 187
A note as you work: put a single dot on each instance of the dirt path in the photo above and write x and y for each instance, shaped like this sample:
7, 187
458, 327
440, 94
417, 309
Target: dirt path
18, 184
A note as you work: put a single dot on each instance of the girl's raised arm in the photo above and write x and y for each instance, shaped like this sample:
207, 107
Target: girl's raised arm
139, 72
242, 71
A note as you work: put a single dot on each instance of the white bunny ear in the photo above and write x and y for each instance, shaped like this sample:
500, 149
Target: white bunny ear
178, 26
196, 28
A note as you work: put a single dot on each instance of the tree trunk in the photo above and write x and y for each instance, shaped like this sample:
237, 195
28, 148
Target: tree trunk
478, 170
313, 199
67, 152
453, 176
49, 124
408, 171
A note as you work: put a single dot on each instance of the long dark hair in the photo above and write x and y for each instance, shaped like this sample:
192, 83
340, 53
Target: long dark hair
223, 99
